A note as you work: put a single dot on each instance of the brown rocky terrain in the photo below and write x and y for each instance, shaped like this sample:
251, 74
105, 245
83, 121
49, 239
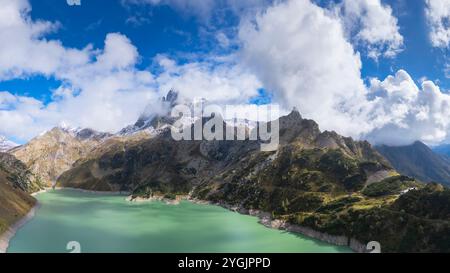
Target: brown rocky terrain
54, 152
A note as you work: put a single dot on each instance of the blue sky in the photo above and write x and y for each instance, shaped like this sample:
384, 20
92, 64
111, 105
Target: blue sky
419, 58
161, 29
178, 41
152, 29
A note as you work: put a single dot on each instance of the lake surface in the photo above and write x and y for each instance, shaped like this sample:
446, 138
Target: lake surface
112, 224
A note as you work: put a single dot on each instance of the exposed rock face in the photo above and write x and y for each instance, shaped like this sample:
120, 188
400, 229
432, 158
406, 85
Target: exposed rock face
54, 152
89, 134
19, 174
16, 182
419, 161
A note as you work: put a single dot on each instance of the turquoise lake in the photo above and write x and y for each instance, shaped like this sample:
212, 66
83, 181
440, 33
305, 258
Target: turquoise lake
111, 224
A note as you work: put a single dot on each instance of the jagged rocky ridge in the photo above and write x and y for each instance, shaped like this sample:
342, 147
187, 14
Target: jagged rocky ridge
318, 180
153, 123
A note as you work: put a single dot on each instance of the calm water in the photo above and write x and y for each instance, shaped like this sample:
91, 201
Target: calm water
111, 224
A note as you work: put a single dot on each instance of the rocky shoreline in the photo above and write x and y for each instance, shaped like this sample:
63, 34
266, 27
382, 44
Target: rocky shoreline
161, 198
266, 219
124, 193
6, 237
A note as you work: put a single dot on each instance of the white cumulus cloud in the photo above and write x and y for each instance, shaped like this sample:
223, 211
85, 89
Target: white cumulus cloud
300, 53
23, 52
226, 83
372, 24
101, 87
438, 17
403, 113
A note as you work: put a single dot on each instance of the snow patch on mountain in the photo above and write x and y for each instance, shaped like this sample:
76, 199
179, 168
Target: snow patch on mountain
6, 145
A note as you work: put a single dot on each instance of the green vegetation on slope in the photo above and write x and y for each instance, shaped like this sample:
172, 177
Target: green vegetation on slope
311, 188
391, 186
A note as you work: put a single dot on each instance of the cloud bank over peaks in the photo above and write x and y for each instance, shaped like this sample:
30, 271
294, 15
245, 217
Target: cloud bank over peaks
300, 51
301, 54
403, 113
224, 83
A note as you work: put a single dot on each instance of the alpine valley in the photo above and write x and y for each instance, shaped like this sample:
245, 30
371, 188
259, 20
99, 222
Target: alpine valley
317, 183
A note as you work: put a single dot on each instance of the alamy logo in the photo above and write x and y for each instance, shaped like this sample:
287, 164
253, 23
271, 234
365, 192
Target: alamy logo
373, 247
74, 2
208, 123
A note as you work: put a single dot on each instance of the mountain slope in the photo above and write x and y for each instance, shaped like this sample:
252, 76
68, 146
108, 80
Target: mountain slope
419, 161
16, 182
136, 165
55, 151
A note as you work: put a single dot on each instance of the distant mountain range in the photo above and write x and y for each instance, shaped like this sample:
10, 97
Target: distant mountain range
419, 161
6, 144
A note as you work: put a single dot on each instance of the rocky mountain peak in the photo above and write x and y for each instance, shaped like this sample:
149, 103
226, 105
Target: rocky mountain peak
87, 133
151, 122
295, 113
420, 144
171, 98
293, 126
